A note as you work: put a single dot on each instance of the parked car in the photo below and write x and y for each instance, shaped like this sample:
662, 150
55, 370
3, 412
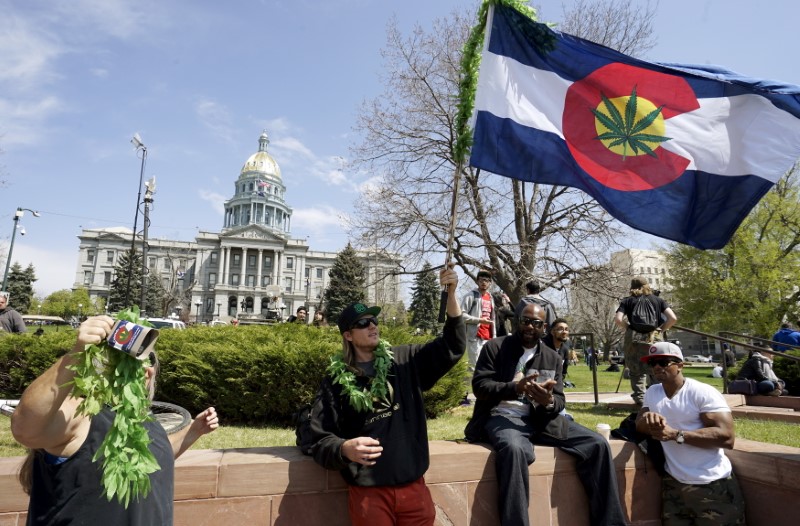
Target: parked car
167, 323
697, 358
214, 323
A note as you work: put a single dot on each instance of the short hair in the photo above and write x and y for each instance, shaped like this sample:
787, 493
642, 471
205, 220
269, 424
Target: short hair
533, 286
303, 308
484, 272
785, 325
557, 321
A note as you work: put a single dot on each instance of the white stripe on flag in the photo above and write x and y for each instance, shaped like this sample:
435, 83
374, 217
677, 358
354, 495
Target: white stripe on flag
743, 135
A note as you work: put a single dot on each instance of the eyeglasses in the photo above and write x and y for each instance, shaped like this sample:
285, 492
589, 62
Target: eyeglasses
485, 279
363, 323
533, 322
662, 362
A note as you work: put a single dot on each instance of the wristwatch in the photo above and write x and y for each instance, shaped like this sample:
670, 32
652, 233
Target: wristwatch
680, 439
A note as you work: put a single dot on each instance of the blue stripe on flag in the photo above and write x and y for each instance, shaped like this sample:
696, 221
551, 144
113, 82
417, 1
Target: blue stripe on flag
733, 156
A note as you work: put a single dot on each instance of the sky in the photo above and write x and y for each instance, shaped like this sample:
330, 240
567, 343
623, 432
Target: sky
199, 81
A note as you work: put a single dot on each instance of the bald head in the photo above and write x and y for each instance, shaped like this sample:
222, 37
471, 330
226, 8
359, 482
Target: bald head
531, 324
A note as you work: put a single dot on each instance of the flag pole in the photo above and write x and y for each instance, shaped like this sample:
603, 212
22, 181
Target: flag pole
470, 62
450, 237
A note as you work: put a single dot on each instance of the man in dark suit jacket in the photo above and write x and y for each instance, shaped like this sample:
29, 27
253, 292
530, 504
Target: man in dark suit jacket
519, 394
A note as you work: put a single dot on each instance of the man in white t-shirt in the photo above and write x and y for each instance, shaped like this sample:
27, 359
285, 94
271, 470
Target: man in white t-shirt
694, 424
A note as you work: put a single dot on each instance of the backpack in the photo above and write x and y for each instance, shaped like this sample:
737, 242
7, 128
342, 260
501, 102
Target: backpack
644, 318
302, 429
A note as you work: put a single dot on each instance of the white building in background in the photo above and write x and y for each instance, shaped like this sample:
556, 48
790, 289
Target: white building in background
252, 268
649, 264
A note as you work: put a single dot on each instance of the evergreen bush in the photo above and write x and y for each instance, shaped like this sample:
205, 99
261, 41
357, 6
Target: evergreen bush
252, 374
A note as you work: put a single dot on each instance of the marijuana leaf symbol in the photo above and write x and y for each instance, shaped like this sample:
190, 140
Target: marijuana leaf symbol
627, 131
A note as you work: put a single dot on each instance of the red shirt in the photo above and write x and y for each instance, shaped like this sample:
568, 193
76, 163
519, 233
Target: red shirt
485, 331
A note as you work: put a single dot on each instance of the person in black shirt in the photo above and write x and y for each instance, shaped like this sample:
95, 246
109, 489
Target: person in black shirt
368, 418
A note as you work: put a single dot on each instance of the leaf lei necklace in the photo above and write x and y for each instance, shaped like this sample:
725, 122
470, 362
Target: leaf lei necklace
361, 399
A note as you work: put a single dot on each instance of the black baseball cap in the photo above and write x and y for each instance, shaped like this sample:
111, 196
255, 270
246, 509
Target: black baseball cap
354, 312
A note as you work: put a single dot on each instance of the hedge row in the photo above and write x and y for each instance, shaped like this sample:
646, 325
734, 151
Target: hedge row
251, 374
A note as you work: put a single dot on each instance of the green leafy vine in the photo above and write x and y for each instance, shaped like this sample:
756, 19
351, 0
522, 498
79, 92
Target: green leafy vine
105, 376
378, 389
470, 66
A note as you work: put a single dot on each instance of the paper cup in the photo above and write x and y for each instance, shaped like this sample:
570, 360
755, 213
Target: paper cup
605, 430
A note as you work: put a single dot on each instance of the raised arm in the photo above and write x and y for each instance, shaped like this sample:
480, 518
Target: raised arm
45, 417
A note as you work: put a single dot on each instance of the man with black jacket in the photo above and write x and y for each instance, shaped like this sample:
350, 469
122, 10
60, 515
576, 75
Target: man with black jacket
519, 394
368, 419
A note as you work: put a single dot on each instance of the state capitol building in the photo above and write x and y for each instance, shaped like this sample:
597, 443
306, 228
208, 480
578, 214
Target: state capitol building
251, 269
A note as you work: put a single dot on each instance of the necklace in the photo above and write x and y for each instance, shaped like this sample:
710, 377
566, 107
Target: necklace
361, 399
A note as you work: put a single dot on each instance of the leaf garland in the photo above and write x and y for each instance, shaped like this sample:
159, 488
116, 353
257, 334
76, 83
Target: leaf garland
361, 399
105, 376
470, 66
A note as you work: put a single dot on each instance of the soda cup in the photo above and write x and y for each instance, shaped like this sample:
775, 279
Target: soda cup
605, 430
135, 340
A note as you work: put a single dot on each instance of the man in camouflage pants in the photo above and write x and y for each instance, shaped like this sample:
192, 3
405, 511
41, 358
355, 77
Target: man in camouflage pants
636, 343
694, 424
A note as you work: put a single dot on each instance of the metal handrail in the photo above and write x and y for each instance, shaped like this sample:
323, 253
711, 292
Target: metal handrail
745, 345
736, 342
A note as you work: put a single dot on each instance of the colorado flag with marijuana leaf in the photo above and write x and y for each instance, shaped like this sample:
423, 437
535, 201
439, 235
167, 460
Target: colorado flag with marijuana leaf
681, 152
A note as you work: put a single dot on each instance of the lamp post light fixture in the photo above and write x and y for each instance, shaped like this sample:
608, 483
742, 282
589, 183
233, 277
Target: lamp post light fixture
140, 147
197, 314
39, 308
80, 311
17, 216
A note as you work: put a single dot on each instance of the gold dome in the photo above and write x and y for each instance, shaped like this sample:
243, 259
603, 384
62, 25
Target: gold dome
262, 162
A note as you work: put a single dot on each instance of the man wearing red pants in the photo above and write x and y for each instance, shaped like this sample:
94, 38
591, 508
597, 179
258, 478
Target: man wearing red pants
368, 419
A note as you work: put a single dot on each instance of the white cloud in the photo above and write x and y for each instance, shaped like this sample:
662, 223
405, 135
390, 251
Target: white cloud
27, 54
319, 220
55, 269
21, 121
216, 118
217, 200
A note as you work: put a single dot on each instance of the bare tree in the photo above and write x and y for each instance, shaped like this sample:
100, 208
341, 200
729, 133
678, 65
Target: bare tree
619, 24
594, 301
518, 229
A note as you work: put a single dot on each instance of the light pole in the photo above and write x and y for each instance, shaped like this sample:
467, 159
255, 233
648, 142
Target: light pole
148, 198
17, 216
39, 308
80, 311
197, 314
140, 147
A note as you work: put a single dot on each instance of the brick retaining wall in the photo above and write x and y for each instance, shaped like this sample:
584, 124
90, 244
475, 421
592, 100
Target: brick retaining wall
280, 486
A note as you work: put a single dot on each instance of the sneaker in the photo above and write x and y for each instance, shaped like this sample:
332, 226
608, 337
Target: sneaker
776, 392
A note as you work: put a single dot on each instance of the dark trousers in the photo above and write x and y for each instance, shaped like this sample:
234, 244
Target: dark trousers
512, 440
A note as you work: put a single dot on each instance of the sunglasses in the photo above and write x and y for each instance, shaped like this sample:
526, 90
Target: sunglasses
662, 362
533, 322
363, 323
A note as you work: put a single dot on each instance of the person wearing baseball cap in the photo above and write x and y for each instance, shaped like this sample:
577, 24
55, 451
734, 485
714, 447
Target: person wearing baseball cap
368, 419
694, 424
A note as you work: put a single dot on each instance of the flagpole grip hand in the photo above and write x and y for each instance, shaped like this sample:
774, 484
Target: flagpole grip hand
448, 304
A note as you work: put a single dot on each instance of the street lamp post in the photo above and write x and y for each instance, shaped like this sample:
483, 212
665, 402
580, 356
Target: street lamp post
80, 311
197, 314
148, 198
17, 216
140, 147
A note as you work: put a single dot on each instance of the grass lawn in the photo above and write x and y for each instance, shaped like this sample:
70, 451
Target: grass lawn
447, 427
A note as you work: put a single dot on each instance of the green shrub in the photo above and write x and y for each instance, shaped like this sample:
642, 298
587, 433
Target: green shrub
789, 372
251, 374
